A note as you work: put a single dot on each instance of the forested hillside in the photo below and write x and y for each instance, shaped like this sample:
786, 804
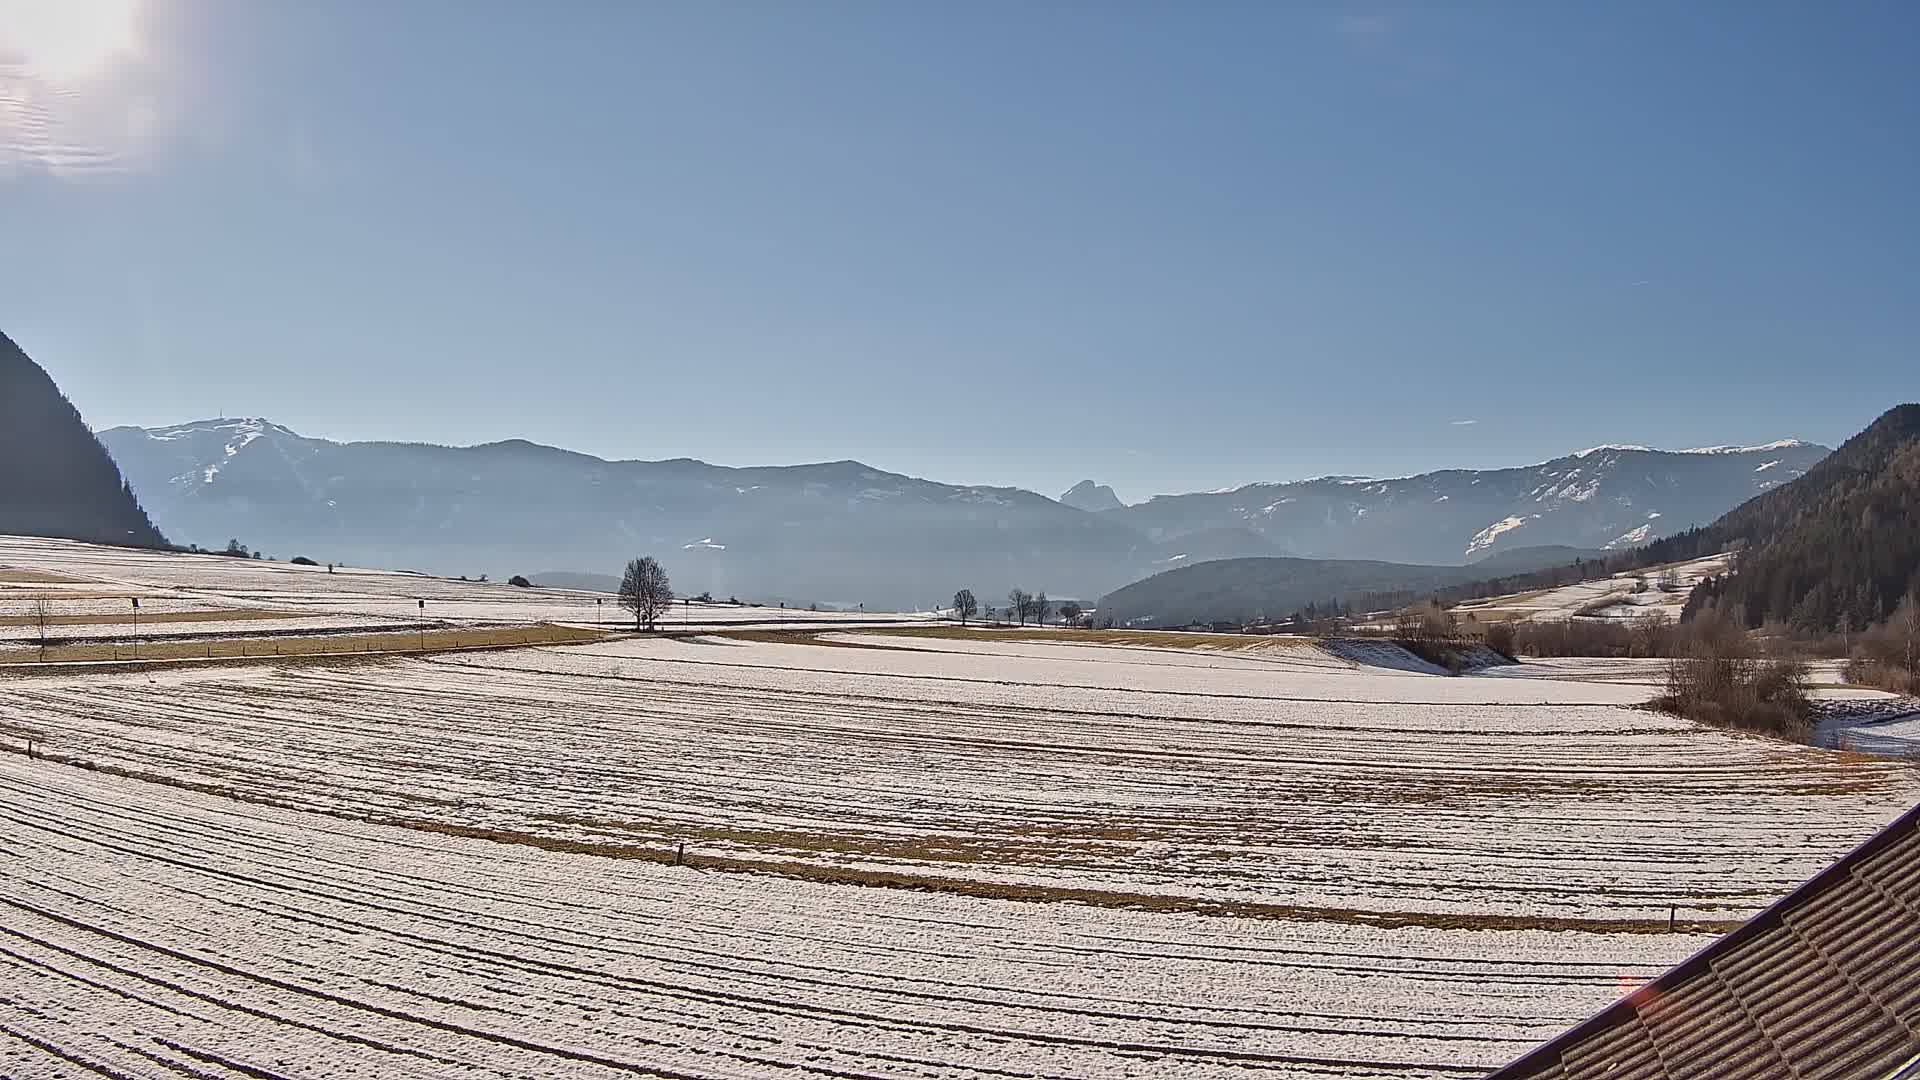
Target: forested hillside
1834, 550
1271, 589
55, 477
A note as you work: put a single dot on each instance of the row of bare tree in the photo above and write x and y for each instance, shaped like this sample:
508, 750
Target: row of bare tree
1021, 606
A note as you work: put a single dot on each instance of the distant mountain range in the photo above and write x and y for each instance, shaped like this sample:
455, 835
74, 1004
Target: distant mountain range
1608, 497
839, 533
843, 532
55, 478
1833, 550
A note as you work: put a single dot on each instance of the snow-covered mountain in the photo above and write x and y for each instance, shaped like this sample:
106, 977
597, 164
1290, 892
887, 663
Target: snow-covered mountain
833, 533
843, 532
1602, 497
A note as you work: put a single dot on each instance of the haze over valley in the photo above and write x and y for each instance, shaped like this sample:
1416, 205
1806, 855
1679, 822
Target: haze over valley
845, 533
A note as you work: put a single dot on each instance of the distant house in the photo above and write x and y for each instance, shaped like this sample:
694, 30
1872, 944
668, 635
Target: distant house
1825, 983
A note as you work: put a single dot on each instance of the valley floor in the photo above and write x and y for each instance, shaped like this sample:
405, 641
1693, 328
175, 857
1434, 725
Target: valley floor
906, 854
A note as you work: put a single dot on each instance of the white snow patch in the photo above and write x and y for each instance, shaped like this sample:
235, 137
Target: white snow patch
1780, 444
1485, 538
1636, 535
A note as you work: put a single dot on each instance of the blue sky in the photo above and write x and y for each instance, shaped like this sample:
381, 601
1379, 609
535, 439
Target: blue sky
1165, 246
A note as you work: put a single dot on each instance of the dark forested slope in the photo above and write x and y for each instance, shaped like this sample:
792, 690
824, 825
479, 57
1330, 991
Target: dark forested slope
1835, 549
55, 477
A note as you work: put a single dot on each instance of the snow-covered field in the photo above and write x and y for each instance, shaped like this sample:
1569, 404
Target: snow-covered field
154, 932
1606, 598
94, 580
905, 855
908, 855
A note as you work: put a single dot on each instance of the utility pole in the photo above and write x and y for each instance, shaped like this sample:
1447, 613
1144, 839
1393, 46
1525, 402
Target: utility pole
136, 627
423, 626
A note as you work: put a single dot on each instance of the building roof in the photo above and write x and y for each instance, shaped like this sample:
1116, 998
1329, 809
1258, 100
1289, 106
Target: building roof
1824, 985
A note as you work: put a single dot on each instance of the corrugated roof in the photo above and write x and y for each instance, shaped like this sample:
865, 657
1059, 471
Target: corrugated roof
1824, 985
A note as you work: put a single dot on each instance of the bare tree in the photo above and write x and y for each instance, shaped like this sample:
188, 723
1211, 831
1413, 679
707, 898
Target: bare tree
1070, 613
645, 591
1500, 637
1906, 627
965, 606
1668, 581
42, 615
1425, 622
1888, 655
1020, 604
1040, 608
1647, 635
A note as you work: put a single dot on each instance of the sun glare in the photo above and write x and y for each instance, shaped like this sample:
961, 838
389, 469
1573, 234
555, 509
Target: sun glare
65, 41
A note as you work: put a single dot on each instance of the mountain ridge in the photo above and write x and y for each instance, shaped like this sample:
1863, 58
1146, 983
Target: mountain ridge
56, 477
832, 531
1608, 497
836, 532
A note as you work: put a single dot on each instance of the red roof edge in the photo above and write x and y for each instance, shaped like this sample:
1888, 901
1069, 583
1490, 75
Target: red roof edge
1549, 1052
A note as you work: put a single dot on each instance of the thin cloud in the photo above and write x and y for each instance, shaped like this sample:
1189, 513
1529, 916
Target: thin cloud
1365, 26
1463, 423
1642, 281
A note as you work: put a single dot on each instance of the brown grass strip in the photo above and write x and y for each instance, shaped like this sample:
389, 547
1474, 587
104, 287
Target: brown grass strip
307, 645
1138, 639
1105, 898
12, 575
146, 618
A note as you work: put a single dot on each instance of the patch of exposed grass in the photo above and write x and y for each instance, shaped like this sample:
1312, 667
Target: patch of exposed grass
126, 618
301, 645
798, 637
1139, 639
1107, 898
14, 575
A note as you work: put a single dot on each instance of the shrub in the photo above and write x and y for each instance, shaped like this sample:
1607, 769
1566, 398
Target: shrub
1888, 656
302, 560
1649, 635
1715, 678
1428, 631
519, 582
1500, 638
